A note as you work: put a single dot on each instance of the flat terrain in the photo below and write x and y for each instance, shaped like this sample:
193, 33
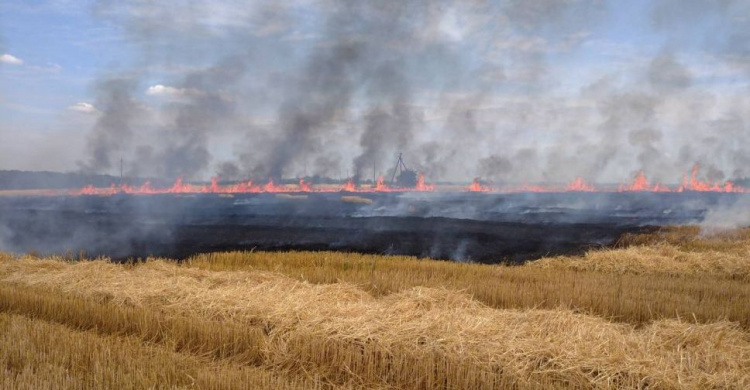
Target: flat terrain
488, 228
663, 310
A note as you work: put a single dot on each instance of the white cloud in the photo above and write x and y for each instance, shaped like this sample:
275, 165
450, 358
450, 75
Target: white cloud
181, 94
10, 59
157, 90
171, 92
83, 107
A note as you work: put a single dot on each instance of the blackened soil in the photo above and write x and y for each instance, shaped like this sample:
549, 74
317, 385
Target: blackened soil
477, 227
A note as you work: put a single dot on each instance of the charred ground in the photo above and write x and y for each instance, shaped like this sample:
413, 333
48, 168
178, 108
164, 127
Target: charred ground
488, 228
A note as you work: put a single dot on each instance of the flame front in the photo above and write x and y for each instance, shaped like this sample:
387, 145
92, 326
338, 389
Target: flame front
476, 186
579, 185
380, 184
304, 186
640, 183
421, 186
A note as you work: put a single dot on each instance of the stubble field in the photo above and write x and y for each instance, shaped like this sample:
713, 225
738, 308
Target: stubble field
664, 310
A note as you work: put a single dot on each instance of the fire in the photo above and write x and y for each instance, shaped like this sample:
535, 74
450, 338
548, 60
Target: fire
214, 188
476, 186
304, 186
380, 184
91, 190
349, 186
579, 185
244, 187
421, 186
695, 184
271, 187
640, 183
179, 188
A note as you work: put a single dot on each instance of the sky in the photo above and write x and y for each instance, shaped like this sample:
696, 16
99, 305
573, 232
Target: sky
536, 90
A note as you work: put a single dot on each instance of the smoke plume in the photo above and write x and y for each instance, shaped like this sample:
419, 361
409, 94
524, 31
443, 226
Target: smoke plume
112, 134
463, 89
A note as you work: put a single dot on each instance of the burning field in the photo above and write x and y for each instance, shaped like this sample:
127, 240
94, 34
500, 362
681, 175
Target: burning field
388, 194
470, 223
584, 287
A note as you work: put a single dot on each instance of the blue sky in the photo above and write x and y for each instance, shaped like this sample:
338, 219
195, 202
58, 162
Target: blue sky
514, 57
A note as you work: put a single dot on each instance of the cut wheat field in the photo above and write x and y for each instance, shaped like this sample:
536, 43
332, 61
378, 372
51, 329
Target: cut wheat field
664, 310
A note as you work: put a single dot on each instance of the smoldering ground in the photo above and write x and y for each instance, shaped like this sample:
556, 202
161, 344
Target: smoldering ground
482, 227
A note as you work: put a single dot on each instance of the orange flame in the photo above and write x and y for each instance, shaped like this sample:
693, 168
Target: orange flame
476, 186
421, 186
349, 186
695, 184
180, 188
640, 183
579, 185
380, 184
304, 186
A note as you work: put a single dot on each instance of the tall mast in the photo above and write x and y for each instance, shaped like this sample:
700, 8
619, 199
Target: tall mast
399, 164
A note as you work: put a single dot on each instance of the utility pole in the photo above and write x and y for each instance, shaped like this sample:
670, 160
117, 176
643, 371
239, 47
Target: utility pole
121, 171
400, 167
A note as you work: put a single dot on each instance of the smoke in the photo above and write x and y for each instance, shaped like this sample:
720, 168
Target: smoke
205, 111
725, 37
667, 74
113, 132
362, 69
495, 167
321, 95
729, 215
463, 89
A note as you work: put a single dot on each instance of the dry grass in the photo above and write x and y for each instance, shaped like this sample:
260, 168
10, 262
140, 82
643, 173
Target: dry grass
30, 192
356, 199
658, 259
37, 354
418, 338
676, 251
642, 294
667, 310
692, 238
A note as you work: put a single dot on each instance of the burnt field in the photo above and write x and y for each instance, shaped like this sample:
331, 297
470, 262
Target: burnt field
490, 228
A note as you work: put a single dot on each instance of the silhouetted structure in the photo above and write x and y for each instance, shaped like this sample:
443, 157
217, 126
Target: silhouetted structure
403, 177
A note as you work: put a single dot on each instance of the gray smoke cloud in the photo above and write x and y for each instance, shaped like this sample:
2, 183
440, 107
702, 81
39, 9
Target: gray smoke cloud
732, 214
324, 92
727, 39
463, 89
204, 108
361, 67
656, 119
113, 132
